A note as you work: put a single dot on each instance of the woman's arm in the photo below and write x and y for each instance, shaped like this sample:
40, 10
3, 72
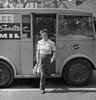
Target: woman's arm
54, 52
53, 57
37, 53
37, 56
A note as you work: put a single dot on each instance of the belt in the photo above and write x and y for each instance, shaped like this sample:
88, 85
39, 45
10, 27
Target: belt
44, 54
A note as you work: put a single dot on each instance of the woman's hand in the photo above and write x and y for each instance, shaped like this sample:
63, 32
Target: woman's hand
52, 59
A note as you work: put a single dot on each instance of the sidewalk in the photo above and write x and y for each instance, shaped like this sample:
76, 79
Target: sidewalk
52, 94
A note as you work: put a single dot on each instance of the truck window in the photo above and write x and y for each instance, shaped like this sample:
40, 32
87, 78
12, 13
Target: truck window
26, 26
75, 25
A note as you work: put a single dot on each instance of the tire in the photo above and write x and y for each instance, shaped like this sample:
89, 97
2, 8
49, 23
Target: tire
78, 72
6, 74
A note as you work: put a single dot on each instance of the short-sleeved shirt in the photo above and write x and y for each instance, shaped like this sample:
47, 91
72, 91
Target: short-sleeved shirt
46, 47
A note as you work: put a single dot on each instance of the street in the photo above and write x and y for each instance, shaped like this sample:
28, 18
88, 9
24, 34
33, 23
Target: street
56, 89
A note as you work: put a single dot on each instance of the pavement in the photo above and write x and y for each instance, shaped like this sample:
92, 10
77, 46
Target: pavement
51, 94
23, 89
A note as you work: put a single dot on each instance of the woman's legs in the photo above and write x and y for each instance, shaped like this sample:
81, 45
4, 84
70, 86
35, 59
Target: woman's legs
42, 78
44, 63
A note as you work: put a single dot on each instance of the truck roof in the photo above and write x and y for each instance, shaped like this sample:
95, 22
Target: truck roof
45, 11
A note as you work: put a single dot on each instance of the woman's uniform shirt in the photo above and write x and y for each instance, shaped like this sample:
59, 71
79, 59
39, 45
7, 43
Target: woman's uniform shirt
46, 47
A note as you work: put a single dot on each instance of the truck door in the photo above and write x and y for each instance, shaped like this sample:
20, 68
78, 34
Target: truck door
43, 21
75, 36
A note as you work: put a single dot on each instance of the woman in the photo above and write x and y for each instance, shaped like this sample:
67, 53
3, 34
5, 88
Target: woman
45, 57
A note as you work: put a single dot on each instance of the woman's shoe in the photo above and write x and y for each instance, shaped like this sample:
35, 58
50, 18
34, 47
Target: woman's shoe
42, 91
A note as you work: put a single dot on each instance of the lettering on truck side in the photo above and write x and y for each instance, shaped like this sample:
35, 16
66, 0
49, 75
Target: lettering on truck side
9, 30
6, 18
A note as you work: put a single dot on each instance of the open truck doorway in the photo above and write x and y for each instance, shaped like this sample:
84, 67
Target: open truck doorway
44, 21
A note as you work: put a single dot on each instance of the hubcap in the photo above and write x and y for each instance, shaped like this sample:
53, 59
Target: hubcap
78, 73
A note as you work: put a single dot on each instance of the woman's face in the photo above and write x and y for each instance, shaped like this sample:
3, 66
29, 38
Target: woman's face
44, 36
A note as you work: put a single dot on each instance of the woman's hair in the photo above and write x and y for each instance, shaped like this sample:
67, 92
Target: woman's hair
44, 30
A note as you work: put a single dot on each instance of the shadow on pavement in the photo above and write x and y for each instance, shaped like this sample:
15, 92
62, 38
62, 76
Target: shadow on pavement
52, 86
70, 91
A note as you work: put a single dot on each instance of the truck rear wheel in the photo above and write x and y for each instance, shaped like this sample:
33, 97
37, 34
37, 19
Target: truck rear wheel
78, 72
6, 74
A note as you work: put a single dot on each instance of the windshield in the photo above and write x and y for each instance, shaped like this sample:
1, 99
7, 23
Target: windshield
75, 25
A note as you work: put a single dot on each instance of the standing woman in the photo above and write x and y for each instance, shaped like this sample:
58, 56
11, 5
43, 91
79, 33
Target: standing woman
45, 57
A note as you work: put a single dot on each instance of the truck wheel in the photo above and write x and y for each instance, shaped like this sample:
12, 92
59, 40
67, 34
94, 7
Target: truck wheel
78, 72
6, 74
